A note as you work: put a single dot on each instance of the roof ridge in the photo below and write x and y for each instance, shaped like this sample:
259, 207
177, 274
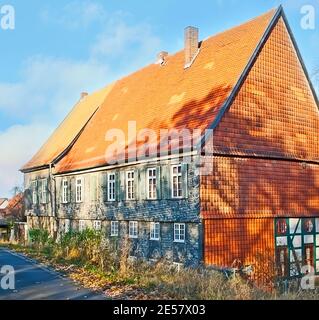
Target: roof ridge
207, 38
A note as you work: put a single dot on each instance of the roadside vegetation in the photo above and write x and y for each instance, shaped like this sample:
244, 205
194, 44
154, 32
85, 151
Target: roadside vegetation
103, 265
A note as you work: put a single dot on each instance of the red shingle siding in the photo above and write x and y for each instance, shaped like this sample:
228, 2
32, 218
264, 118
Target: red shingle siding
275, 113
260, 188
251, 241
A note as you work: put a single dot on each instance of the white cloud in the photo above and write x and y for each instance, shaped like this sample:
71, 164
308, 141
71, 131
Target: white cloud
118, 36
49, 86
18, 144
76, 14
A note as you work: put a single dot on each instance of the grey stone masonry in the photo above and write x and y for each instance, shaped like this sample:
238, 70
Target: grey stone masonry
91, 202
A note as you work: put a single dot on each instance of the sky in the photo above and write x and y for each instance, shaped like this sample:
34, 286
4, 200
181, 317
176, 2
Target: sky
60, 48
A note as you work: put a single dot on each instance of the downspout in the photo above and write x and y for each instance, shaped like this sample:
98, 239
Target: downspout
53, 196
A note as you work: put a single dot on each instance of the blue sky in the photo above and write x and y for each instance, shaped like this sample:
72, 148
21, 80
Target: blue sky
60, 48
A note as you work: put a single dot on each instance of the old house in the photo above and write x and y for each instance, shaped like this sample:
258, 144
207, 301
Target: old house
245, 185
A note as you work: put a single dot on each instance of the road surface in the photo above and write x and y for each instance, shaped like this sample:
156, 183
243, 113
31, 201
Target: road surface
35, 282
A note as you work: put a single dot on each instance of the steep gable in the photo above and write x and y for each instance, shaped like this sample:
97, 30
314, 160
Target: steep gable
170, 96
68, 130
275, 113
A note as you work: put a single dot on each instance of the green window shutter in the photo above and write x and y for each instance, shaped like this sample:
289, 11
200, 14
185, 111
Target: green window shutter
142, 192
185, 179
47, 191
104, 186
121, 186
72, 190
158, 183
93, 188
136, 184
69, 190
61, 190
165, 178
39, 193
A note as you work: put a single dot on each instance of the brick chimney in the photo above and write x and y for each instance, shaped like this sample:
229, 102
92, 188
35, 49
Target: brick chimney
83, 95
191, 45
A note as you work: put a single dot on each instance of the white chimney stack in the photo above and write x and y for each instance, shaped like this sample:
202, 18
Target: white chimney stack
161, 57
191, 45
83, 95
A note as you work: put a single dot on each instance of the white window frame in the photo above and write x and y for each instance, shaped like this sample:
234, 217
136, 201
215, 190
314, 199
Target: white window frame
34, 185
65, 191
179, 237
130, 182
81, 193
114, 228
151, 194
43, 191
82, 225
155, 231
97, 225
178, 175
111, 185
67, 226
133, 230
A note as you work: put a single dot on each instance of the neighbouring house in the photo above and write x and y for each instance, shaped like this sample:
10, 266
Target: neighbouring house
3, 203
14, 211
243, 189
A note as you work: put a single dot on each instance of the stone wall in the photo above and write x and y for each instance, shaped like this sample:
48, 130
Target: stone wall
164, 210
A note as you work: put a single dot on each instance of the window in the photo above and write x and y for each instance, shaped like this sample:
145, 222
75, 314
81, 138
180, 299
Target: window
151, 184
133, 229
67, 226
111, 187
79, 190
281, 227
177, 182
97, 225
114, 229
179, 232
43, 191
34, 192
130, 195
82, 225
65, 187
155, 231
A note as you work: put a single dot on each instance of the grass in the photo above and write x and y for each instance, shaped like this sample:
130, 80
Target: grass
97, 264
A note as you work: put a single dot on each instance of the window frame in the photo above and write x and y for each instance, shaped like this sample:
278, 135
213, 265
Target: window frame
77, 200
97, 223
116, 229
133, 225
132, 196
65, 191
153, 178
177, 231
178, 175
82, 226
153, 232
109, 174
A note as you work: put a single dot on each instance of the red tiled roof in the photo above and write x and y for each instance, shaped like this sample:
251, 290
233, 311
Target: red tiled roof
164, 97
68, 130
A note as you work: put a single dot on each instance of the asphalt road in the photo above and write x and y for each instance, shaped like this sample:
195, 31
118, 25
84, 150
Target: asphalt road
35, 282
